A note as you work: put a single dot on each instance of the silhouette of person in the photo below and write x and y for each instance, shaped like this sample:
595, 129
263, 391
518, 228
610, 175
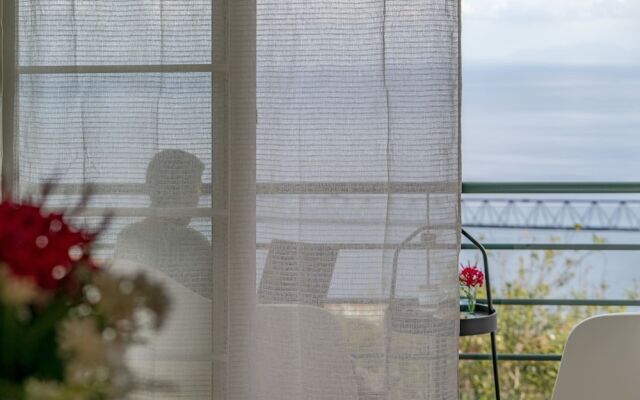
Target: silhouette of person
168, 243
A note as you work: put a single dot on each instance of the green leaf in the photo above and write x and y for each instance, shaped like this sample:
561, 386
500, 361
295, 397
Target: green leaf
11, 390
39, 348
10, 333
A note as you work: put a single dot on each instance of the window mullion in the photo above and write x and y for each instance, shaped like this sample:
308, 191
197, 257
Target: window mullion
9, 172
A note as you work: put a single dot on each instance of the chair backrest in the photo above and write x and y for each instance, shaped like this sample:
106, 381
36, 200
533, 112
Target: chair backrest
601, 360
301, 355
297, 273
177, 362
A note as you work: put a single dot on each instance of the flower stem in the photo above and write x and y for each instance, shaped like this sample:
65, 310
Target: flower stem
470, 294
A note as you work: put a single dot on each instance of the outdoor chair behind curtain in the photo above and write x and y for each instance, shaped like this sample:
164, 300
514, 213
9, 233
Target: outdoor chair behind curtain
303, 139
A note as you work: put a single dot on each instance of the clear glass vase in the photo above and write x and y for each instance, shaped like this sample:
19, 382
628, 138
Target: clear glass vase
471, 295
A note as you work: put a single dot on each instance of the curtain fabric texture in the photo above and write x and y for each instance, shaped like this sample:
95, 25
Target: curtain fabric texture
357, 149
289, 169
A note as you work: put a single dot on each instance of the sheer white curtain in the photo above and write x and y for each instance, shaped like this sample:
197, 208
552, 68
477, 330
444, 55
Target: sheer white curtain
289, 169
357, 149
129, 96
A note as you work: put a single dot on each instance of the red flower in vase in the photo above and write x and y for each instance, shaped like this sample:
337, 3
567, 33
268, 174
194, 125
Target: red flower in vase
38, 246
471, 276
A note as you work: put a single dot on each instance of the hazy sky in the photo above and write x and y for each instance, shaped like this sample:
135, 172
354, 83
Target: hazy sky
551, 31
551, 90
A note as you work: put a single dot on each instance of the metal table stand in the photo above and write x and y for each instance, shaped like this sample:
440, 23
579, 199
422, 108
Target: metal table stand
486, 319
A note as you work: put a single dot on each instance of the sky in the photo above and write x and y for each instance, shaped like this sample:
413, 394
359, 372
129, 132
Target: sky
551, 31
551, 90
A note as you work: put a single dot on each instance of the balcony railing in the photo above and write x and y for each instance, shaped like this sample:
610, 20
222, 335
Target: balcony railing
559, 188
499, 192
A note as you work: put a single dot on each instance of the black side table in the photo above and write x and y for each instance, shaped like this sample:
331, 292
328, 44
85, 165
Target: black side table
485, 319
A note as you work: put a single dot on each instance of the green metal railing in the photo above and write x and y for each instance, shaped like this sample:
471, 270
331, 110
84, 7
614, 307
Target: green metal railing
550, 188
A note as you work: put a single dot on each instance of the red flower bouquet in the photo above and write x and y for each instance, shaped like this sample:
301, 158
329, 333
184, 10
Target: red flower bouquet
470, 278
64, 321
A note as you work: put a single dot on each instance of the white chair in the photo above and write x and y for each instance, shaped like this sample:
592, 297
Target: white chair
301, 355
176, 363
601, 360
297, 273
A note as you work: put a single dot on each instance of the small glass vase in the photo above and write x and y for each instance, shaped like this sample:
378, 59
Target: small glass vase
471, 295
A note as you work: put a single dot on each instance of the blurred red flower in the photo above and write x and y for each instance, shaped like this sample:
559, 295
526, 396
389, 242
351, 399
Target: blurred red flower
471, 276
39, 246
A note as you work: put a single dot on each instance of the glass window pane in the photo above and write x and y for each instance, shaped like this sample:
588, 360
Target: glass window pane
106, 32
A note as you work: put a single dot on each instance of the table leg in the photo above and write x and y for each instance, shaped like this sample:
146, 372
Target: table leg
494, 359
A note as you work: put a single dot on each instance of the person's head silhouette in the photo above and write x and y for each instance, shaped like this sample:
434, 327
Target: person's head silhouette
174, 179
